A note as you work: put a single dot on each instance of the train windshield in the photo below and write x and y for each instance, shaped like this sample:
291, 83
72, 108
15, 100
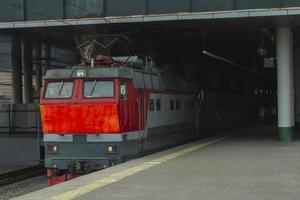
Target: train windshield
99, 89
59, 90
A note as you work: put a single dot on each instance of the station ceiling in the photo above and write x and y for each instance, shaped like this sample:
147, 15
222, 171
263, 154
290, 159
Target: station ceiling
181, 43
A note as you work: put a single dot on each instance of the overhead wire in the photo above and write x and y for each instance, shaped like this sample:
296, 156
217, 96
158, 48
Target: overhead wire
50, 18
72, 3
63, 21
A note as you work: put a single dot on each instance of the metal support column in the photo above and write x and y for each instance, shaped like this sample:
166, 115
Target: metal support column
38, 68
285, 81
16, 60
46, 56
27, 68
297, 89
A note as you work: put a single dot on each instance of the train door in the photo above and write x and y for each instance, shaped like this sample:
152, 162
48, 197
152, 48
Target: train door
142, 121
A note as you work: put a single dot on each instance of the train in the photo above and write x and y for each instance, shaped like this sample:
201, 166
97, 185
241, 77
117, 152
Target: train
97, 117
113, 109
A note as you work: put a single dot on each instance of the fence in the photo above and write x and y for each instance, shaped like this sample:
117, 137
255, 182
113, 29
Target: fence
20, 119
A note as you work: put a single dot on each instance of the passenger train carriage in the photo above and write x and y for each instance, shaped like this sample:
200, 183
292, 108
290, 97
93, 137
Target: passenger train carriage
97, 117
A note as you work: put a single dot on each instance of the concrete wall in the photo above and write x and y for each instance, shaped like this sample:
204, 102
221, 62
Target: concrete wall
77, 8
44, 9
18, 151
11, 11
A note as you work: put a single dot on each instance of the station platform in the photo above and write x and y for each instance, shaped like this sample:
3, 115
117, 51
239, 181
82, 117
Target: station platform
246, 164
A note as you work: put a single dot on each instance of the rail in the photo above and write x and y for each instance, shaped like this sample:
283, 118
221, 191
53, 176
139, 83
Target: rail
22, 174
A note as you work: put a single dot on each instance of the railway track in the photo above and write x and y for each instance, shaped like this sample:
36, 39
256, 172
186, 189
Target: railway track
21, 174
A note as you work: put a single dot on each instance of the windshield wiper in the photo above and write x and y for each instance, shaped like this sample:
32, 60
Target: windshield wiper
93, 88
61, 87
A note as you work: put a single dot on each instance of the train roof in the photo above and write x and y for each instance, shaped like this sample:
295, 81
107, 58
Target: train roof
79, 72
153, 78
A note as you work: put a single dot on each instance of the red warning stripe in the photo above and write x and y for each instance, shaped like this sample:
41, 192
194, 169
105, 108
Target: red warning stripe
80, 119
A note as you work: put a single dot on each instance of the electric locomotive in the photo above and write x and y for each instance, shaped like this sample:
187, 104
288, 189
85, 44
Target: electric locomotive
95, 117
113, 109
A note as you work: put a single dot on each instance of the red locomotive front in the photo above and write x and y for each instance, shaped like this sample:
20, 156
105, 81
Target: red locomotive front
102, 111
110, 110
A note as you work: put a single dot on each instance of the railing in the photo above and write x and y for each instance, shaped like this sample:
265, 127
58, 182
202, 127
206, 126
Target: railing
19, 10
19, 119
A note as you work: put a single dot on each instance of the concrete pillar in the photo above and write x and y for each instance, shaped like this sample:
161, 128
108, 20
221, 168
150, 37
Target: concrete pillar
38, 68
285, 81
297, 89
27, 68
16, 61
46, 56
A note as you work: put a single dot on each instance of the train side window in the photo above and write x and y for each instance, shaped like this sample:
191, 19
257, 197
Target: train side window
151, 105
98, 89
59, 90
158, 104
177, 104
172, 105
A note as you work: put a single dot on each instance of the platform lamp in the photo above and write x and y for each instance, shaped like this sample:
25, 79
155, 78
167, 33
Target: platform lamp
226, 60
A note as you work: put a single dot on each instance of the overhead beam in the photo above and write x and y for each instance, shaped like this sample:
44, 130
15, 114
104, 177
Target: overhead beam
231, 14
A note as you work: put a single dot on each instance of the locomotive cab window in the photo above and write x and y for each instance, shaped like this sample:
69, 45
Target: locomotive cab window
98, 89
59, 90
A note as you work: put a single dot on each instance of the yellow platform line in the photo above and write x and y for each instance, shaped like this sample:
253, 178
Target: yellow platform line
72, 194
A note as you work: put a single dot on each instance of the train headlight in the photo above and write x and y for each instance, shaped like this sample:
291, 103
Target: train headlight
80, 73
111, 149
52, 148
